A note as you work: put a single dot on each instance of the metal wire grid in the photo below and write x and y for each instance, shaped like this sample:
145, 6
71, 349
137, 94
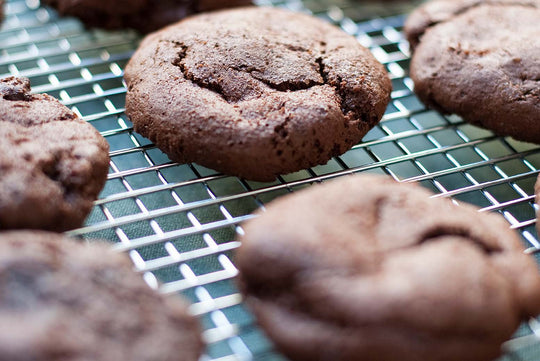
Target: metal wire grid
178, 222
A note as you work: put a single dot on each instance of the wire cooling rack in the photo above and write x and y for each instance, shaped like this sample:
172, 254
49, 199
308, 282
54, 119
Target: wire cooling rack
178, 222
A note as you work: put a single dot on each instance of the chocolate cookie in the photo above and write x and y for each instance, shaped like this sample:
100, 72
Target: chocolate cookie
60, 300
480, 59
142, 15
365, 268
254, 92
52, 163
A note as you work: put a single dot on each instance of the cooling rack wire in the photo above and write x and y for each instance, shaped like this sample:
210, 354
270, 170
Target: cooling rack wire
178, 222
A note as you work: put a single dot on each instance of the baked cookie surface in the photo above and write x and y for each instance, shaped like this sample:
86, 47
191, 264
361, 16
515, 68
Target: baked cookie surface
52, 163
60, 300
480, 60
142, 15
254, 92
364, 268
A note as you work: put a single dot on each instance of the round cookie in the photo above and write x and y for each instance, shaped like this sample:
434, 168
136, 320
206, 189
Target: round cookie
365, 268
142, 15
52, 163
480, 60
254, 92
60, 300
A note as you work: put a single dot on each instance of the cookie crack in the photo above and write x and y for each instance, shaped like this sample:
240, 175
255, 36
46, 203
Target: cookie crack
180, 55
214, 85
334, 83
432, 234
449, 231
178, 61
345, 96
283, 86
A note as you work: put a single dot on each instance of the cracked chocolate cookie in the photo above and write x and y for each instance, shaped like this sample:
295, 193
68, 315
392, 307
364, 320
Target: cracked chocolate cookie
60, 300
365, 268
254, 92
142, 15
52, 163
480, 59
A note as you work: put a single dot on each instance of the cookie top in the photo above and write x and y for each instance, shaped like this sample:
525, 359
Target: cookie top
439, 11
52, 163
142, 15
254, 92
480, 60
66, 301
367, 268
